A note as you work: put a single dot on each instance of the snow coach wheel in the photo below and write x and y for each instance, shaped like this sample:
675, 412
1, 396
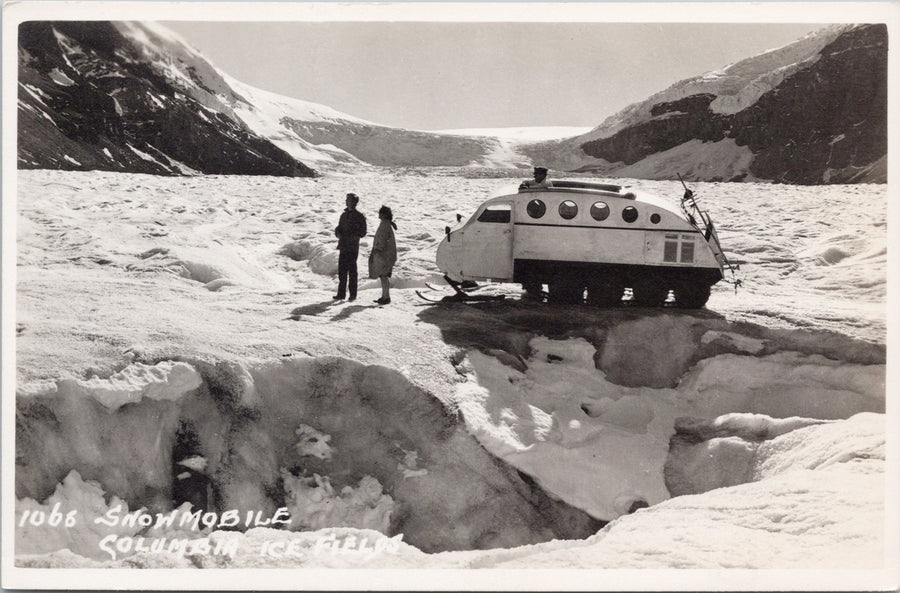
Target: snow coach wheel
649, 292
691, 296
605, 292
566, 290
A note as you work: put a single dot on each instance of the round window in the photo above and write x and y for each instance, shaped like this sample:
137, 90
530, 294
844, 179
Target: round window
599, 211
655, 218
629, 214
536, 208
568, 209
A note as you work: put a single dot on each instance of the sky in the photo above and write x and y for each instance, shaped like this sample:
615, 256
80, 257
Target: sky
450, 75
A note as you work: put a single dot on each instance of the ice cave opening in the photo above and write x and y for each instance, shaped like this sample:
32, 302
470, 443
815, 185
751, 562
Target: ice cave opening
335, 442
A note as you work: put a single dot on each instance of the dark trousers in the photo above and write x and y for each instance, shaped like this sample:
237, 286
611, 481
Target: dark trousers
347, 271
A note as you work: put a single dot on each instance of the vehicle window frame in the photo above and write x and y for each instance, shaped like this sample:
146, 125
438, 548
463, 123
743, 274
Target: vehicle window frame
559, 209
606, 210
540, 204
502, 212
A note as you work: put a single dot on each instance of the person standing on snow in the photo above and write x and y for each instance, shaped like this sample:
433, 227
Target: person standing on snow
350, 229
384, 253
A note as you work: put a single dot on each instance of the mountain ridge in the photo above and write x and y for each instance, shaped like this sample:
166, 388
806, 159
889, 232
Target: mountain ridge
787, 123
108, 109
134, 96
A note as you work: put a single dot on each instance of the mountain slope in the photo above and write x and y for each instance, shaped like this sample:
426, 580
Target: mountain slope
814, 111
93, 95
135, 97
297, 125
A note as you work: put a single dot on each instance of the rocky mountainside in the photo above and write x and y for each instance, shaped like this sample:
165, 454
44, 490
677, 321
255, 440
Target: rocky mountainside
125, 96
812, 112
90, 99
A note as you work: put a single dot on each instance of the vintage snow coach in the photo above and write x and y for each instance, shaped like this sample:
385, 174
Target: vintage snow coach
588, 241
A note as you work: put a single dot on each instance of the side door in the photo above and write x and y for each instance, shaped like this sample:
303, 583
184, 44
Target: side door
489, 241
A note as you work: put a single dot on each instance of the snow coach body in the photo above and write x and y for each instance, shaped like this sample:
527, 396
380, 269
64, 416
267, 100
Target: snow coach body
582, 238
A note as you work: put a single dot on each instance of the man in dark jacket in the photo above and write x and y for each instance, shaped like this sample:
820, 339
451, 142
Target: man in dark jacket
350, 229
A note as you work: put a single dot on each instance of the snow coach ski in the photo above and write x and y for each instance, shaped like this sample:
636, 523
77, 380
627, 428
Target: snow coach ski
461, 293
587, 242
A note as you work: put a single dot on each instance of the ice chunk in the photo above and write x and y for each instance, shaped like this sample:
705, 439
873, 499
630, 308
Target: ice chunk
314, 504
312, 442
166, 380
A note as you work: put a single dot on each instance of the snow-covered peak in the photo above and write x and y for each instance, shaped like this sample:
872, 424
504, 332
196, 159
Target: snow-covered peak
181, 62
736, 86
169, 52
284, 106
269, 114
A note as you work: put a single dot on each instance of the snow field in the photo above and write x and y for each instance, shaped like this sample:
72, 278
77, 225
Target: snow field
230, 279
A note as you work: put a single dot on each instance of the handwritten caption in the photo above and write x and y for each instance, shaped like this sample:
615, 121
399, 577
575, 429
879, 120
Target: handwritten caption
119, 545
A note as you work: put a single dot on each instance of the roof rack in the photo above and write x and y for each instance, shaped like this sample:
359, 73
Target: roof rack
587, 185
576, 185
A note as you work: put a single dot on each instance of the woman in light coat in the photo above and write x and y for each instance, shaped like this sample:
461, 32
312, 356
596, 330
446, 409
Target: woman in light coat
384, 253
